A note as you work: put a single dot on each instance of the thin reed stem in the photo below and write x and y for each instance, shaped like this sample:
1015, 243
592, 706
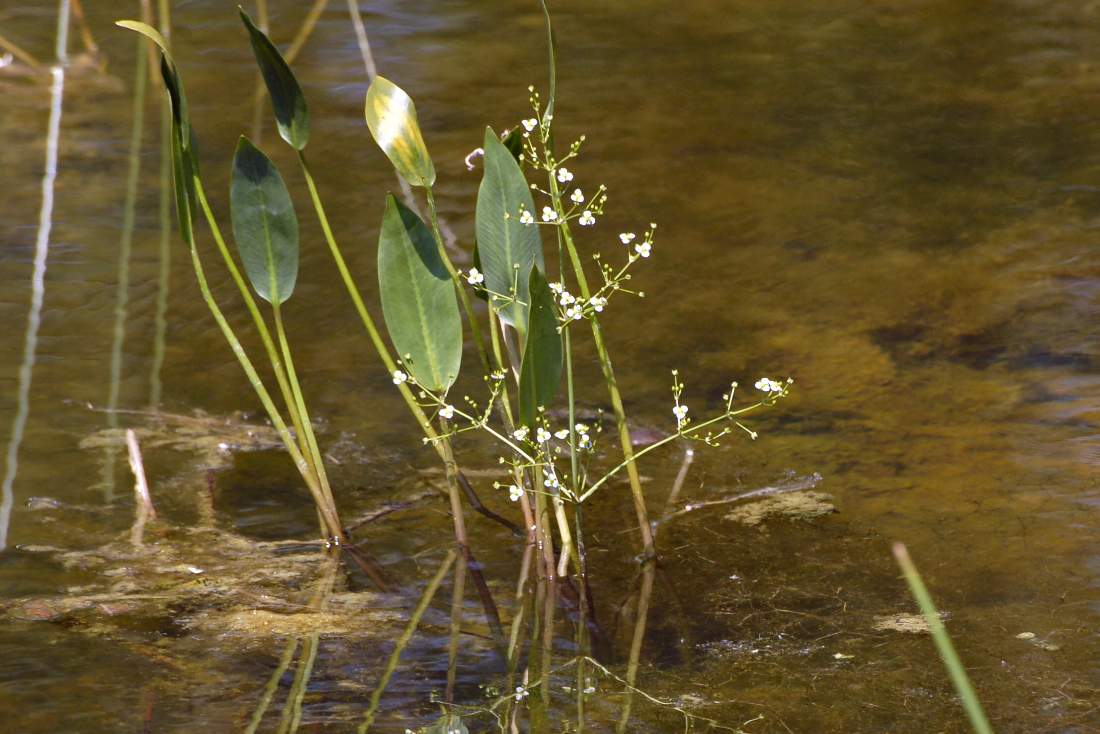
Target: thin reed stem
969, 697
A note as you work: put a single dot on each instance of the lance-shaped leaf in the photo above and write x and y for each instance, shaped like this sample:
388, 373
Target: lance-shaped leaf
172, 82
291, 114
540, 372
182, 186
419, 302
509, 249
184, 148
551, 44
264, 223
391, 118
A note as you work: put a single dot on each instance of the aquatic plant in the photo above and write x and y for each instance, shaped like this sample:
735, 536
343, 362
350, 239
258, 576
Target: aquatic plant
524, 335
531, 320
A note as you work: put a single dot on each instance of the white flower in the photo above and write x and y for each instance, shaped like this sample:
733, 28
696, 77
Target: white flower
574, 312
521, 693
642, 248
526, 217
497, 376
584, 442
577, 197
514, 493
581, 428
586, 218
530, 124
474, 277
542, 435
520, 434
564, 175
399, 377
548, 214
447, 412
768, 385
562, 434
557, 287
626, 238
551, 480
680, 411
597, 303
566, 298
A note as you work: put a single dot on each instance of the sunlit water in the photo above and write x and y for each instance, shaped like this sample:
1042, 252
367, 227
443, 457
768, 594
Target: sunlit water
896, 204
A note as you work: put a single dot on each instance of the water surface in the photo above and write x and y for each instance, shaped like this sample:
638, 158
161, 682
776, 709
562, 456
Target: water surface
897, 205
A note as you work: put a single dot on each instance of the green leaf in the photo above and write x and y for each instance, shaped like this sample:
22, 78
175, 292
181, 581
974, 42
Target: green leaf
551, 43
391, 117
509, 249
183, 187
540, 373
419, 303
172, 82
291, 114
513, 141
264, 224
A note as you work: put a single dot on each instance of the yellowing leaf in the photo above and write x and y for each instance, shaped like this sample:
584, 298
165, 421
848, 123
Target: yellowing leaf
391, 117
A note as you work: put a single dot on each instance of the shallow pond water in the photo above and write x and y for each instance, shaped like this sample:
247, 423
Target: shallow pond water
896, 204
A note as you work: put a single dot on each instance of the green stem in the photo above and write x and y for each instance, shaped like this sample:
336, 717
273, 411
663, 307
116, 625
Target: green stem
970, 701
609, 378
451, 470
296, 456
361, 308
307, 437
164, 272
573, 466
463, 295
250, 302
627, 462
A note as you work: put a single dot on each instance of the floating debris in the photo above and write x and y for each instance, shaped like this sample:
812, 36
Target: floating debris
914, 624
791, 506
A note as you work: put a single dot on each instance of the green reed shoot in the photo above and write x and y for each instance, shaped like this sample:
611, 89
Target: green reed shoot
951, 661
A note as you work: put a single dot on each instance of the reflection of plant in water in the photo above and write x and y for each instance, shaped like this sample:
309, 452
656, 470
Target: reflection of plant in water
525, 348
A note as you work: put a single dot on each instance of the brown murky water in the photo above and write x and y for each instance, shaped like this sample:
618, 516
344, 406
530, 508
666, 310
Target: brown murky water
896, 204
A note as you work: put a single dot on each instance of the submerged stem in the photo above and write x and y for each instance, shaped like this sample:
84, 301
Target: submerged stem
403, 640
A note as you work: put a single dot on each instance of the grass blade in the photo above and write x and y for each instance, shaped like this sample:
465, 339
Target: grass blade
950, 658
